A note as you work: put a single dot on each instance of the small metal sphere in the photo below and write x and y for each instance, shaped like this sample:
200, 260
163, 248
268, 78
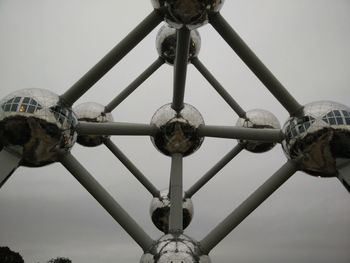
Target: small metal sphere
192, 13
175, 249
34, 124
318, 137
258, 118
92, 112
177, 131
160, 210
166, 44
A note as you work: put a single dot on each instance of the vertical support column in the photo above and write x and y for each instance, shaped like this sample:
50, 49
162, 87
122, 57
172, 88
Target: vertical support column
180, 67
176, 198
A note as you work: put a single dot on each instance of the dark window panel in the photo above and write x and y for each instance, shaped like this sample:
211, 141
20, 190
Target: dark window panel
31, 109
26, 100
7, 107
10, 100
337, 113
340, 120
330, 114
345, 113
348, 121
332, 121
14, 107
17, 99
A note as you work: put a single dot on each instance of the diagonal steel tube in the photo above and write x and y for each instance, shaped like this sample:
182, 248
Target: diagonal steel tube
180, 67
176, 195
132, 168
240, 133
9, 162
248, 206
343, 166
134, 85
112, 58
115, 128
255, 65
106, 201
214, 170
217, 86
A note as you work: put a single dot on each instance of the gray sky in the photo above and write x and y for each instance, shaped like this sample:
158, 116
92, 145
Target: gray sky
49, 44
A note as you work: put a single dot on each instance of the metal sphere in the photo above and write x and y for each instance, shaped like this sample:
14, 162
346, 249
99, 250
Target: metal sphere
166, 44
192, 13
318, 136
34, 124
177, 131
160, 210
92, 112
258, 118
175, 249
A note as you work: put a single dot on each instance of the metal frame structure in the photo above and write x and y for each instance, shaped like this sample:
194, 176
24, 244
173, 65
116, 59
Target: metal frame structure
176, 175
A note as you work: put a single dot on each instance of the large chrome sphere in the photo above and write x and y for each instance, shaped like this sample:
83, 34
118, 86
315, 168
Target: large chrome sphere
160, 210
192, 13
175, 249
319, 136
34, 124
177, 131
92, 112
261, 119
166, 43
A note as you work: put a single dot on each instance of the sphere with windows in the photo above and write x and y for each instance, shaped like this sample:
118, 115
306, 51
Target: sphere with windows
318, 137
36, 126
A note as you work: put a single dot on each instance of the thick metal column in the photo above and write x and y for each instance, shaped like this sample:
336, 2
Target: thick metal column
112, 58
134, 85
248, 206
214, 170
132, 168
8, 164
106, 201
180, 67
217, 86
240, 133
176, 195
255, 65
115, 128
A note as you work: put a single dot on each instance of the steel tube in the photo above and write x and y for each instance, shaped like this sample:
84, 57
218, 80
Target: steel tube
217, 86
134, 85
112, 58
176, 195
131, 167
214, 170
9, 162
180, 67
255, 65
240, 133
106, 201
247, 207
115, 128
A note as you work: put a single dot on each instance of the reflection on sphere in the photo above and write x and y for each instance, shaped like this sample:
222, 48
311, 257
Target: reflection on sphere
160, 211
36, 125
166, 44
175, 249
319, 135
192, 13
259, 119
177, 131
92, 112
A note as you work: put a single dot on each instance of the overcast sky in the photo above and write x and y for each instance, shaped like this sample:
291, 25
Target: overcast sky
45, 213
